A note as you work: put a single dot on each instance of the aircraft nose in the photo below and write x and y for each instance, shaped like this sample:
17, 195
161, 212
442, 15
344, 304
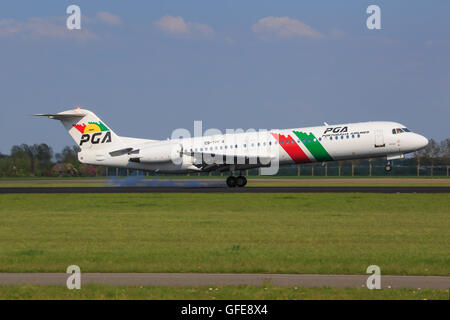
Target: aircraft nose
422, 142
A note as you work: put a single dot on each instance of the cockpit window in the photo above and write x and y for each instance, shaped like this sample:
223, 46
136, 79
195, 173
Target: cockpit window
400, 130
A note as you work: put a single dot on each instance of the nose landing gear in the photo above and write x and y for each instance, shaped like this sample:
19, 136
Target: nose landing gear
388, 167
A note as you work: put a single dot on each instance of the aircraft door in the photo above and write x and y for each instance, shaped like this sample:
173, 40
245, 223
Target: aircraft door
379, 138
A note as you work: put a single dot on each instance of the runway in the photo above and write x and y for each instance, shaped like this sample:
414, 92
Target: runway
219, 279
372, 180
357, 189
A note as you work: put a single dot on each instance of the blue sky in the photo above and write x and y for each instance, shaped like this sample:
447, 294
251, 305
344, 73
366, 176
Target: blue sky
148, 67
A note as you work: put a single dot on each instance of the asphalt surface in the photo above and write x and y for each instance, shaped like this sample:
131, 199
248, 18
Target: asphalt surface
218, 279
380, 189
374, 180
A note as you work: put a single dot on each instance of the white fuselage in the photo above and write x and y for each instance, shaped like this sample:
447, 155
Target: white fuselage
288, 146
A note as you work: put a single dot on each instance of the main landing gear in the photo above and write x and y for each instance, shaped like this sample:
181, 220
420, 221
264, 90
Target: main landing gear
233, 181
388, 167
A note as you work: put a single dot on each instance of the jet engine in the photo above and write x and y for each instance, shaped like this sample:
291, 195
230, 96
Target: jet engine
157, 154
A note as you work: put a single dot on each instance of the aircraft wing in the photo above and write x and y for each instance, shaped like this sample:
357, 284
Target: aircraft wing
210, 161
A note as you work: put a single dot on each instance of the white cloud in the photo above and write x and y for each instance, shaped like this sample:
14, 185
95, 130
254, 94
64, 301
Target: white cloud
55, 27
202, 29
179, 27
337, 33
283, 27
109, 18
173, 25
42, 28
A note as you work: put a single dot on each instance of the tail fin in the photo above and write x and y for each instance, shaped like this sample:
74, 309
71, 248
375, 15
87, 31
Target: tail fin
88, 131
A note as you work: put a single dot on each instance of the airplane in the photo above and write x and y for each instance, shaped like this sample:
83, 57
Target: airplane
234, 152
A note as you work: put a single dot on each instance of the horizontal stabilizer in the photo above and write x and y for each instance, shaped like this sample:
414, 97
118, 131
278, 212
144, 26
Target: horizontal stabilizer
60, 116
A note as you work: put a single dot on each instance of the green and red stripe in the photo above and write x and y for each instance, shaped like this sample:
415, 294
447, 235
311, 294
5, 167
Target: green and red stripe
314, 146
292, 148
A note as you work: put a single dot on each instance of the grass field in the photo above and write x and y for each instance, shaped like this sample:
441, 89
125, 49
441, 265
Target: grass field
406, 234
214, 293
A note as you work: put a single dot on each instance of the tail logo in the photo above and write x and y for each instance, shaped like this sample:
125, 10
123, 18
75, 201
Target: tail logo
95, 132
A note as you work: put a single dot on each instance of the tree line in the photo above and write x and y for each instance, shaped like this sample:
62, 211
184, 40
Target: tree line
39, 160
435, 153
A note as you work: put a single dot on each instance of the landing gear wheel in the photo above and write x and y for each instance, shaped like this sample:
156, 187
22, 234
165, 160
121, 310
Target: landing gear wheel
388, 167
231, 182
241, 181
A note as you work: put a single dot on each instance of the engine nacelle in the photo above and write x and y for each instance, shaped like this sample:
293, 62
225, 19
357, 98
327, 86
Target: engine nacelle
157, 154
